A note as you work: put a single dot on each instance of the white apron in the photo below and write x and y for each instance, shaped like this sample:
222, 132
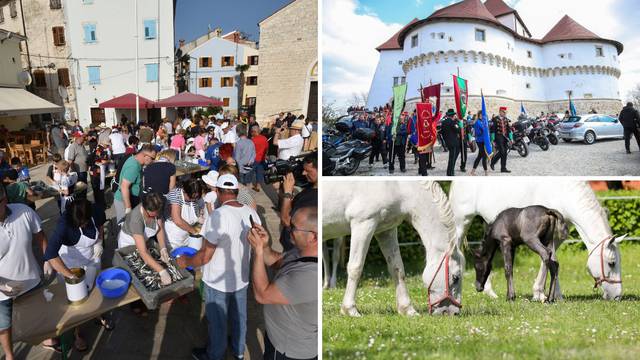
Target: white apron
80, 255
178, 237
126, 239
64, 182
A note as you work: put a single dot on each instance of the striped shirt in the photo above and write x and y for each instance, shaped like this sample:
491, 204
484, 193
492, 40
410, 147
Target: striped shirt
175, 197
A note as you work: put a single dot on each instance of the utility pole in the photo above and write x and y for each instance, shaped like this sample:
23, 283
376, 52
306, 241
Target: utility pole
137, 70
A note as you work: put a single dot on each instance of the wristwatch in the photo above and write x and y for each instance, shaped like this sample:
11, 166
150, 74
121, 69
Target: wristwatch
288, 195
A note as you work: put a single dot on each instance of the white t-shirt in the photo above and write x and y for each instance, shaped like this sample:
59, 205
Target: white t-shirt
218, 133
169, 127
17, 263
227, 228
306, 131
186, 123
117, 143
230, 137
290, 147
210, 198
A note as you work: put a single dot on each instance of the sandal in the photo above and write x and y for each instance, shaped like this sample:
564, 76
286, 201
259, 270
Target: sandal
80, 345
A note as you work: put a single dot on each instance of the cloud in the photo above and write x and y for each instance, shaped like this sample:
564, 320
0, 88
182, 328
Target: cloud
349, 40
419, 2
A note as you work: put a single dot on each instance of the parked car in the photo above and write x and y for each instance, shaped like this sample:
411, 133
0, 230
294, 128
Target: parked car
590, 127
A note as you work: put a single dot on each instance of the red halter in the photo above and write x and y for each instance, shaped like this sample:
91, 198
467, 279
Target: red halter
603, 278
447, 293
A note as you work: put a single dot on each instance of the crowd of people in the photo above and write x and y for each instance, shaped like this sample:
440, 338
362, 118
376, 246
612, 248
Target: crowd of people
457, 137
215, 214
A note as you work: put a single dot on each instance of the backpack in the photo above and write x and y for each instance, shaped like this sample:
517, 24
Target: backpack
115, 182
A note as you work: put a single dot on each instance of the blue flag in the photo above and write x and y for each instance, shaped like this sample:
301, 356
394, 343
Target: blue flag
522, 110
486, 137
572, 108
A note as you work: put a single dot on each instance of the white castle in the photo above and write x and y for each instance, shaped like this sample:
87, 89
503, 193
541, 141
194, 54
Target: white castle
489, 45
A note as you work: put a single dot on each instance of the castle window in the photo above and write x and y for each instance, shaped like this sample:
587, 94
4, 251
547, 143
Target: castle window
450, 38
480, 35
414, 41
599, 51
400, 62
501, 92
529, 54
528, 86
441, 36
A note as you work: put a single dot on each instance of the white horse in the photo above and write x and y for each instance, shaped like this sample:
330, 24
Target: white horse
367, 208
573, 199
330, 262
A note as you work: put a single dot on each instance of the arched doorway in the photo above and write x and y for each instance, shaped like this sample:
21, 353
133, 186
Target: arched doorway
311, 103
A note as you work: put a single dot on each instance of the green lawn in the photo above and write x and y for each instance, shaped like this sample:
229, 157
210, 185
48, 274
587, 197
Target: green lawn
581, 327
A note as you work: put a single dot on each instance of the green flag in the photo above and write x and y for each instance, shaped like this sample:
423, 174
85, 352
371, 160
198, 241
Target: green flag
399, 93
460, 92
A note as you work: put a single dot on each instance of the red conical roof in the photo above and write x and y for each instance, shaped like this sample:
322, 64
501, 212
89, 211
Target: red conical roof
569, 29
393, 43
498, 7
467, 9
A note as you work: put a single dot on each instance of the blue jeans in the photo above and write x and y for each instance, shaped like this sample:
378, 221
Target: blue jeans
221, 309
246, 178
6, 307
258, 170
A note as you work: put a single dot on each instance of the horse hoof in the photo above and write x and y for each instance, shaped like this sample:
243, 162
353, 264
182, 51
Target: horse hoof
332, 284
350, 311
490, 293
409, 311
539, 297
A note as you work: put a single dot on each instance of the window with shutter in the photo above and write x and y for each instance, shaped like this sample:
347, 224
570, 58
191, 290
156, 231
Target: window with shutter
205, 82
152, 72
63, 77
39, 78
94, 75
226, 82
225, 101
58, 35
89, 33
150, 29
227, 61
252, 60
205, 62
55, 4
252, 80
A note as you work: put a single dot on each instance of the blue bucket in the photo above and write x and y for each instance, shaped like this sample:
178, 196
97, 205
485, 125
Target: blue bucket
106, 280
203, 162
184, 251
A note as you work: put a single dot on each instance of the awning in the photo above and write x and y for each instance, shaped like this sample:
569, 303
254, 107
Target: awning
187, 99
128, 101
16, 101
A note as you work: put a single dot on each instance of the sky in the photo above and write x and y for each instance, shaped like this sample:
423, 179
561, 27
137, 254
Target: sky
193, 16
352, 29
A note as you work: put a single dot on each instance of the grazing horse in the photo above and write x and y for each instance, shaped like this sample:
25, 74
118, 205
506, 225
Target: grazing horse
573, 199
541, 229
364, 209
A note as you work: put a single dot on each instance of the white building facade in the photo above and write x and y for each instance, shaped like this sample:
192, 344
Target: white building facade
212, 70
489, 45
102, 39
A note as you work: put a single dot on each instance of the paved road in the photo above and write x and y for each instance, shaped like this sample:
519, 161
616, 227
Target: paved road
169, 332
604, 158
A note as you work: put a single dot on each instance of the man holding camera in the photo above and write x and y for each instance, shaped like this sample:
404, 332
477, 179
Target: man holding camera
291, 299
307, 197
292, 146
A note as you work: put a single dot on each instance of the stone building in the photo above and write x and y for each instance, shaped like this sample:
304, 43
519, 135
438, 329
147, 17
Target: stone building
47, 48
488, 44
288, 70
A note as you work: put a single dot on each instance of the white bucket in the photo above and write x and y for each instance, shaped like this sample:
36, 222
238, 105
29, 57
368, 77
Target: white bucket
77, 292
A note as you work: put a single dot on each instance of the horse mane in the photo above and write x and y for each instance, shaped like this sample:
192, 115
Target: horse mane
588, 201
444, 206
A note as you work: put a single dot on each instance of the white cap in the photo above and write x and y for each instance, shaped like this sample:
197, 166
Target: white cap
227, 181
210, 178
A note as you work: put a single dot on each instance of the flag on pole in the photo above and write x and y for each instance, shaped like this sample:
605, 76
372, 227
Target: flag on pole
399, 93
430, 92
572, 108
522, 110
460, 91
486, 137
426, 127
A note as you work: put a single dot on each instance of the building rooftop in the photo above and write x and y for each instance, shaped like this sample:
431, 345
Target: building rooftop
392, 43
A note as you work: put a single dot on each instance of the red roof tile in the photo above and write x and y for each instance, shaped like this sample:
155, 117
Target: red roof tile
392, 43
467, 9
569, 29
498, 7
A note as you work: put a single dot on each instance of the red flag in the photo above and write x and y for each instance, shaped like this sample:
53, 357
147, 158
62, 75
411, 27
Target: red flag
388, 119
429, 92
426, 127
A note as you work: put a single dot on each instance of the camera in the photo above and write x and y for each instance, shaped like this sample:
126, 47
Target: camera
275, 171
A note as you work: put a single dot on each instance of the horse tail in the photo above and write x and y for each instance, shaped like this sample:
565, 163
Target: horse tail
557, 223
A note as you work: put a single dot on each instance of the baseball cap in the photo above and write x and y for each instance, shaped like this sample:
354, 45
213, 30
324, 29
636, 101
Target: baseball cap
210, 178
227, 181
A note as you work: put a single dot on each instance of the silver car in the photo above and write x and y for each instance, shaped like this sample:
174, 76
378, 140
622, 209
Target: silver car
590, 127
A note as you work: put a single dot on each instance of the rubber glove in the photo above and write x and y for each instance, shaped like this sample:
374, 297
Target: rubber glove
127, 211
164, 255
47, 269
165, 278
97, 251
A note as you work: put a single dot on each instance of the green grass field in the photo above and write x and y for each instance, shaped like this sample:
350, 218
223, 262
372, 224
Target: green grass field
582, 326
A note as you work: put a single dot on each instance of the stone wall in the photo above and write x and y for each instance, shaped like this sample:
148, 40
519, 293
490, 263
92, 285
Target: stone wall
533, 108
288, 52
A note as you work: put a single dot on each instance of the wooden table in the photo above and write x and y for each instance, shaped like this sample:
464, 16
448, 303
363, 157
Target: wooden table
180, 171
28, 148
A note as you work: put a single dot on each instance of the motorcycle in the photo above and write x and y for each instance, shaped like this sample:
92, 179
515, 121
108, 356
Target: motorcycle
551, 133
344, 159
536, 135
520, 139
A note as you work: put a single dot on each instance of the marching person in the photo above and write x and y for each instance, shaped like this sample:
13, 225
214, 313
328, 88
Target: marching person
450, 130
478, 131
379, 142
398, 145
501, 133
185, 211
20, 231
77, 243
291, 299
463, 144
225, 260
630, 120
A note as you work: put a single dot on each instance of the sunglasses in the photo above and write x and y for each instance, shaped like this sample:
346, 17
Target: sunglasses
293, 229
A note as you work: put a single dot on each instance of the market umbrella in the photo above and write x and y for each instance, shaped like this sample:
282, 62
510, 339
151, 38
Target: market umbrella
128, 101
187, 99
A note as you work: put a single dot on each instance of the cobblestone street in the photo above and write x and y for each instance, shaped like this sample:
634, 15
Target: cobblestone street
604, 158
